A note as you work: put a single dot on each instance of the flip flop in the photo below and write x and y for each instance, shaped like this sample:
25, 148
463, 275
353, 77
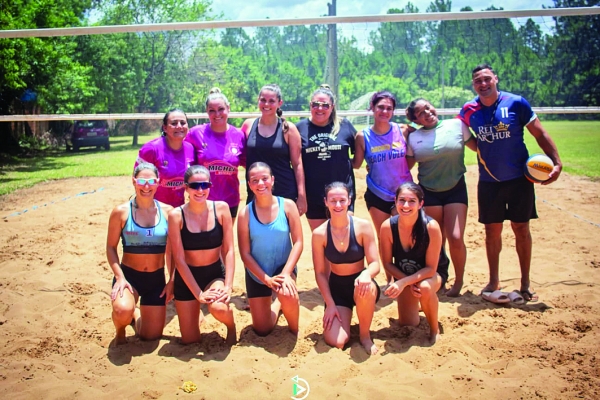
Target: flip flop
529, 296
516, 298
496, 297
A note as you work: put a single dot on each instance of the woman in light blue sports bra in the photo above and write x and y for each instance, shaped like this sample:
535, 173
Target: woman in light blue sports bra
141, 225
270, 244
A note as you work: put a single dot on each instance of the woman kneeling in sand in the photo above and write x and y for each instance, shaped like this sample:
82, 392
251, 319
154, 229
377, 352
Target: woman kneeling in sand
141, 224
411, 243
339, 249
270, 243
201, 235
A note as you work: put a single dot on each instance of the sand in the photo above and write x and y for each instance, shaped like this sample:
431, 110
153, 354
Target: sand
56, 331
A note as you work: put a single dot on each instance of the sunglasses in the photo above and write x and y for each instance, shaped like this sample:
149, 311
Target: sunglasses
199, 185
322, 104
143, 182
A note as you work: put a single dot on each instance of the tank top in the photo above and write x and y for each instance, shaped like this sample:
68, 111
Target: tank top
202, 240
276, 153
354, 253
144, 240
270, 244
386, 161
411, 261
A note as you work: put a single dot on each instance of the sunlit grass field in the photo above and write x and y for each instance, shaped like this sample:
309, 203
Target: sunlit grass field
578, 144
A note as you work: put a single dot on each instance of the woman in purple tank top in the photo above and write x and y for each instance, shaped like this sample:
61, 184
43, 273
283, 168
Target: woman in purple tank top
383, 147
220, 148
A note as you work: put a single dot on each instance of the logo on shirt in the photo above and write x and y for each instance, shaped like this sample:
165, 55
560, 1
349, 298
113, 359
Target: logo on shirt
409, 267
489, 133
321, 145
234, 149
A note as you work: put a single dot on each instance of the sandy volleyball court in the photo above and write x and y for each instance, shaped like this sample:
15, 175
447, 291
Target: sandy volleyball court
56, 331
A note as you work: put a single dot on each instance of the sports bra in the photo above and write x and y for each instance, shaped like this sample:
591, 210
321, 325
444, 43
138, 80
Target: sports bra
144, 240
354, 253
202, 240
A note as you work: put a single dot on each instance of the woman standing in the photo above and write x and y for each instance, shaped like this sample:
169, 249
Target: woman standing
327, 141
411, 248
201, 235
270, 243
220, 147
171, 156
141, 224
273, 140
383, 145
439, 148
339, 249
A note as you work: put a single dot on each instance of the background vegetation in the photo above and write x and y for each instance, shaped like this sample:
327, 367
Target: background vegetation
154, 71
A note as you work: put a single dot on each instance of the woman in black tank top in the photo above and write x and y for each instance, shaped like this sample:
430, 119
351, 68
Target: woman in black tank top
410, 246
201, 235
273, 140
339, 247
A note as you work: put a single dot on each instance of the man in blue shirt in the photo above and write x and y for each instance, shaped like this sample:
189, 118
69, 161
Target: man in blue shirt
498, 120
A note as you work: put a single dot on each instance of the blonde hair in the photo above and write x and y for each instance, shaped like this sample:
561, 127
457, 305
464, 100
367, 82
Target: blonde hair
214, 94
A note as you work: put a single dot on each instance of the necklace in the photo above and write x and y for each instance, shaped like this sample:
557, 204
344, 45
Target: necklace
343, 235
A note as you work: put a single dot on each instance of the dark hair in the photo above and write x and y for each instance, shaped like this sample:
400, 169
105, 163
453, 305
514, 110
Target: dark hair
419, 233
144, 166
336, 185
410, 110
260, 164
378, 96
482, 67
193, 170
333, 118
166, 118
214, 94
273, 87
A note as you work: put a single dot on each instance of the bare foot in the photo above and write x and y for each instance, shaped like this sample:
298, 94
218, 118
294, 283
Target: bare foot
491, 287
231, 338
369, 346
454, 290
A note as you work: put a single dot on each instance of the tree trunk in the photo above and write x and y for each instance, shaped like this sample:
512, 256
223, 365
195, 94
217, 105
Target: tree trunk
136, 131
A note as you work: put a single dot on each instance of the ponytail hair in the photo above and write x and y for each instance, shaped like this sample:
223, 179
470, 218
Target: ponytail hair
273, 87
333, 118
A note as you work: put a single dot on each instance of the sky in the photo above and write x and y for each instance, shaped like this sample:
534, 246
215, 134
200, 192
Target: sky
260, 9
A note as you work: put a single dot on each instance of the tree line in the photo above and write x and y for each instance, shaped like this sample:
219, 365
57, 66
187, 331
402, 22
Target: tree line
155, 71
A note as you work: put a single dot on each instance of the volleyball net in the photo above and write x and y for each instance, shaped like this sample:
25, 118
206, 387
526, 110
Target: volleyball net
139, 71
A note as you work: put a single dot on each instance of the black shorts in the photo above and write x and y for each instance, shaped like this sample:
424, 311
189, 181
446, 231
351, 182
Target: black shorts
233, 211
318, 210
203, 276
512, 200
256, 289
458, 194
373, 201
342, 289
148, 285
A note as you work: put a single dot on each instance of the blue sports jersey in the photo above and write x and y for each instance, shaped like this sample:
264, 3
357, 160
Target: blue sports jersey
499, 128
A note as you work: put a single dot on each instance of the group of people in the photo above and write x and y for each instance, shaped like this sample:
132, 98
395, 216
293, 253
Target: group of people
307, 168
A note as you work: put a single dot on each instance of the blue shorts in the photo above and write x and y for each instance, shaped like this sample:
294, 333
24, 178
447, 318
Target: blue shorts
148, 285
204, 276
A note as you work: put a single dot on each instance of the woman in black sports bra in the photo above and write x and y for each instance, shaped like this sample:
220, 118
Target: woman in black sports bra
411, 245
339, 248
201, 235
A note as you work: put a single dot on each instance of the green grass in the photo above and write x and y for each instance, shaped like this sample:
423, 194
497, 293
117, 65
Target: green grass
578, 143
24, 172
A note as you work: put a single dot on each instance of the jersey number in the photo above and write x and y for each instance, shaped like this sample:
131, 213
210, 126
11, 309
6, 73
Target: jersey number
149, 233
504, 111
